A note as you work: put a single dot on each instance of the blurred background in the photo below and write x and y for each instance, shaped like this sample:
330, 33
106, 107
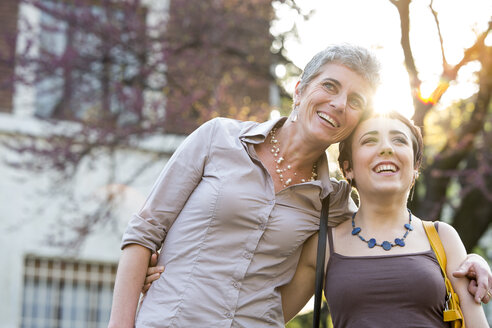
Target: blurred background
95, 95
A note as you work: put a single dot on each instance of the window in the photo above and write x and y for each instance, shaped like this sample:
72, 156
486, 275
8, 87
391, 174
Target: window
90, 59
66, 293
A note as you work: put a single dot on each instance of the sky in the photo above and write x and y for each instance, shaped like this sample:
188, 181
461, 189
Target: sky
375, 24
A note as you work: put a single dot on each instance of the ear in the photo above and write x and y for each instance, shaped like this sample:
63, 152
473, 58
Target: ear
349, 174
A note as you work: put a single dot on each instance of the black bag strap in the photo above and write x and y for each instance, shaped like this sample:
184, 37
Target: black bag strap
320, 260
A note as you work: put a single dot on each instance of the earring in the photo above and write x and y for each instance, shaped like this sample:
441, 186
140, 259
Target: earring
412, 190
295, 113
411, 193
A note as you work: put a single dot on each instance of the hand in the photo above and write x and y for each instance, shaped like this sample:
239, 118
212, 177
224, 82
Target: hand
478, 270
153, 273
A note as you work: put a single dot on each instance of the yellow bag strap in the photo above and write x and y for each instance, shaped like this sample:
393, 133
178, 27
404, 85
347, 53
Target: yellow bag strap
436, 245
453, 312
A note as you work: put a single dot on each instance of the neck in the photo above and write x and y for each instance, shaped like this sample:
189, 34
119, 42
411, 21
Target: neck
382, 211
296, 148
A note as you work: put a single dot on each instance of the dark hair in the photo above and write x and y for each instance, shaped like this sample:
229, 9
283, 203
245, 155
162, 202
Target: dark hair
345, 146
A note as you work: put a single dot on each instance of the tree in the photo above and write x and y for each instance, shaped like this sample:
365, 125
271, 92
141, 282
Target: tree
458, 174
108, 74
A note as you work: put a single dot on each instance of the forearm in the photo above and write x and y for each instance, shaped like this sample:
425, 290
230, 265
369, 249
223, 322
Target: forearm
472, 312
455, 253
301, 288
296, 294
129, 281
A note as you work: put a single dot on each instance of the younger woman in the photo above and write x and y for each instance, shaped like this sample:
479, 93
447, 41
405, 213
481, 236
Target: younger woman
381, 270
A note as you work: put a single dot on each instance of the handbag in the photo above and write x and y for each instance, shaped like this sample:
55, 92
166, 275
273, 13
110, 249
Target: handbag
452, 311
320, 260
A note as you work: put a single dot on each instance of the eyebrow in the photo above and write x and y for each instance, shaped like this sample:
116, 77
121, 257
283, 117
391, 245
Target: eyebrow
332, 80
392, 132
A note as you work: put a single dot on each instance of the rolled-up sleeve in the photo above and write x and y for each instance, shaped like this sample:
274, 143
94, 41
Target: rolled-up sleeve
341, 204
178, 179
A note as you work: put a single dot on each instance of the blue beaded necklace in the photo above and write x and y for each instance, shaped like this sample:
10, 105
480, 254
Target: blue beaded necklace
386, 245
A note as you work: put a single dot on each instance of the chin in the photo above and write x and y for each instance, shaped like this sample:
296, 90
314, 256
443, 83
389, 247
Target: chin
388, 190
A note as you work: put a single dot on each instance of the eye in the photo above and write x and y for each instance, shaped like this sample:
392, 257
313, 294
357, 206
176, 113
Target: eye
368, 140
401, 140
330, 86
356, 103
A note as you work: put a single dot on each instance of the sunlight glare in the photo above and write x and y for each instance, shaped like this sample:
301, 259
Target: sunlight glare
274, 114
393, 94
280, 71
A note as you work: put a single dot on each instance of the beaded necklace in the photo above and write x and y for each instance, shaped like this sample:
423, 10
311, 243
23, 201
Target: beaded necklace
386, 245
282, 170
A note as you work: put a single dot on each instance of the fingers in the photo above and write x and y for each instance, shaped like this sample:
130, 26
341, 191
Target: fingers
487, 297
483, 293
473, 288
153, 260
154, 269
151, 278
465, 270
480, 288
153, 273
145, 288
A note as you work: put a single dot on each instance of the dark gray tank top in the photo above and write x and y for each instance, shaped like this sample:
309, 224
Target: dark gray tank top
400, 290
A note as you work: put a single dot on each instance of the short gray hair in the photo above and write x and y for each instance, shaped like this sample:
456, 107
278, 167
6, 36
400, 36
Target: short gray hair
357, 58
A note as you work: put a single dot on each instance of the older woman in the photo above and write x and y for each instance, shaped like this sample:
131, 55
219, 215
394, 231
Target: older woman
236, 202
381, 270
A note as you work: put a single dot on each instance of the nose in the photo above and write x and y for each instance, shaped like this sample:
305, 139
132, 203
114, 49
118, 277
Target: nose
386, 150
386, 147
339, 102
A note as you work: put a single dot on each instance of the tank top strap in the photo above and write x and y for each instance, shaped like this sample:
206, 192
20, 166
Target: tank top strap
330, 240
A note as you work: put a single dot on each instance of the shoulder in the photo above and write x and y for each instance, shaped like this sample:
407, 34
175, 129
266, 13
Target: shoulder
451, 240
228, 126
230, 123
340, 186
447, 232
341, 195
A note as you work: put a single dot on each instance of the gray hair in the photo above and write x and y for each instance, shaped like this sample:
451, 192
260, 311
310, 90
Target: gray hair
358, 59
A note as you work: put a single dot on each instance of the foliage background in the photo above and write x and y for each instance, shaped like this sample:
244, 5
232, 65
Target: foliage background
126, 74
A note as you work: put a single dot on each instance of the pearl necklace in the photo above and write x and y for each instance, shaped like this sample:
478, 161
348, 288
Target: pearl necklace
386, 245
281, 171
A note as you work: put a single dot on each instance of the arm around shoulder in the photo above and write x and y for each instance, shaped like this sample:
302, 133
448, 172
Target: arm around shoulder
456, 254
129, 281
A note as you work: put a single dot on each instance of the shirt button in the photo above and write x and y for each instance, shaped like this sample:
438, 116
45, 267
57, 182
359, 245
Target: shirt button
248, 255
235, 284
262, 226
228, 315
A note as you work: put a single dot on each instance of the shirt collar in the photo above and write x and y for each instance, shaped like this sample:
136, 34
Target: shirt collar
257, 134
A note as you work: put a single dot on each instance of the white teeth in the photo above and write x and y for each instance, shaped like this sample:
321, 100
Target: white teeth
385, 167
328, 119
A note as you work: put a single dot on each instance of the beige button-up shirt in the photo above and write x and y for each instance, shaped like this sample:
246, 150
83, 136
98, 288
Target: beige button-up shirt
228, 241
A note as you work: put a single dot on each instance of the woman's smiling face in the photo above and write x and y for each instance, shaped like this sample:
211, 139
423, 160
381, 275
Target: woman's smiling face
382, 156
331, 105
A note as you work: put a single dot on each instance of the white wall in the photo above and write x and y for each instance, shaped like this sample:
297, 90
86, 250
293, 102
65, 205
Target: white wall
29, 213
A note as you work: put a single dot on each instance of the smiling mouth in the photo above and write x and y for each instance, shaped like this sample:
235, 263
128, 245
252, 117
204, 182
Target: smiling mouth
328, 119
385, 168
